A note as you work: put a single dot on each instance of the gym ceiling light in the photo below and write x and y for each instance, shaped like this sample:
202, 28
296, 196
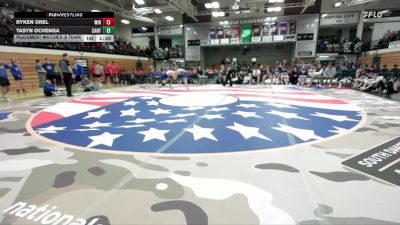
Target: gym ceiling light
140, 2
169, 18
124, 21
212, 5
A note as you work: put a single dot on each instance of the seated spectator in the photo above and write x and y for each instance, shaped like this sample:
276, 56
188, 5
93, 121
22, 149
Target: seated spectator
329, 73
266, 74
359, 78
371, 84
49, 89
88, 85
315, 73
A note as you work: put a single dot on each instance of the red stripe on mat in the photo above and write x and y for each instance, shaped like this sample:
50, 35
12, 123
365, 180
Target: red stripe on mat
45, 117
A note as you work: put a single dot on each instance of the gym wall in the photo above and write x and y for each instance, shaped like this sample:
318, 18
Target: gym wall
26, 59
265, 54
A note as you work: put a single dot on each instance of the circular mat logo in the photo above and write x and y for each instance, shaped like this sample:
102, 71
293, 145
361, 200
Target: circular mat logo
201, 120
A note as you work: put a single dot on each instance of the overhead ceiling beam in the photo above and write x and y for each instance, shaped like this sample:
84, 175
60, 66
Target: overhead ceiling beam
308, 4
112, 6
184, 6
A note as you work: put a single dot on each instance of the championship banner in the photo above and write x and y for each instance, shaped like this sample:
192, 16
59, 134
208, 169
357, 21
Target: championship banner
245, 31
213, 33
228, 32
235, 31
283, 28
274, 29
220, 33
266, 30
256, 30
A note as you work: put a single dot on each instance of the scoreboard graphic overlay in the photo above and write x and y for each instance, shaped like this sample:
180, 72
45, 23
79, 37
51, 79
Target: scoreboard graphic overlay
64, 26
201, 120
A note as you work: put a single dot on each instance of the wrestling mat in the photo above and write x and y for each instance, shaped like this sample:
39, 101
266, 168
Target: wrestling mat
209, 155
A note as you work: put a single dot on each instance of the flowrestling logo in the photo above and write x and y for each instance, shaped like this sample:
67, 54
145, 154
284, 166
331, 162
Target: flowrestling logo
202, 120
45, 214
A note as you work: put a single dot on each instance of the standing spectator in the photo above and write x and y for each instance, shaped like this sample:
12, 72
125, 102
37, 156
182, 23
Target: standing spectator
92, 68
98, 73
256, 74
41, 73
4, 82
229, 74
49, 68
107, 72
17, 74
78, 71
395, 71
294, 76
66, 72
114, 71
330, 73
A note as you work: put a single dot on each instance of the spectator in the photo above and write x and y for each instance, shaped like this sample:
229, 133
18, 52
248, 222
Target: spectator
107, 72
41, 73
4, 82
88, 85
17, 74
266, 74
49, 89
98, 73
330, 73
294, 76
49, 68
78, 71
92, 68
114, 71
256, 75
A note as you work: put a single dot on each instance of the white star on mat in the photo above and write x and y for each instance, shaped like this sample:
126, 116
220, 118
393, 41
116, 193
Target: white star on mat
153, 133
201, 132
338, 130
160, 111
247, 106
152, 102
97, 124
210, 117
131, 103
49, 130
246, 114
302, 134
140, 120
174, 121
129, 112
333, 117
248, 132
97, 114
193, 108
184, 115
86, 129
105, 138
131, 126
147, 97
279, 105
218, 109
286, 115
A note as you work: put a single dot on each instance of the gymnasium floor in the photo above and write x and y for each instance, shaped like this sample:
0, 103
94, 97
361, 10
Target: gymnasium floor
210, 155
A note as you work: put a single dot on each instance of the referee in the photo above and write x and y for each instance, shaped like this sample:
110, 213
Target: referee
66, 72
